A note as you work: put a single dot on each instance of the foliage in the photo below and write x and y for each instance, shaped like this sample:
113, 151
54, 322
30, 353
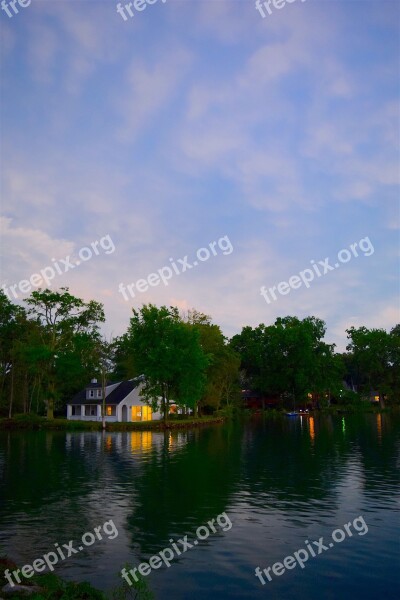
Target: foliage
346, 397
168, 352
52, 347
222, 373
375, 361
53, 587
66, 334
288, 358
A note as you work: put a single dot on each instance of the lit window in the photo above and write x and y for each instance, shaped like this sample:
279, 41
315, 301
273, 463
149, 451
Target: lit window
146, 413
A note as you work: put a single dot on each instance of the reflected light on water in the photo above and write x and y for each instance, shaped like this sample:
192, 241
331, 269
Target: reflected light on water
312, 429
379, 426
141, 440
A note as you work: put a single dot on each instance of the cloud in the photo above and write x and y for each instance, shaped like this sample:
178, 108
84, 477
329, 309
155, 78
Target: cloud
149, 90
26, 250
197, 121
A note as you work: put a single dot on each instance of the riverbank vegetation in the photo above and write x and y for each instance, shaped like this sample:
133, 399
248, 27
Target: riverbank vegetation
51, 587
52, 347
35, 422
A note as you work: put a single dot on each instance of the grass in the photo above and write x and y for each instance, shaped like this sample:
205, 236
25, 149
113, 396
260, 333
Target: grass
35, 422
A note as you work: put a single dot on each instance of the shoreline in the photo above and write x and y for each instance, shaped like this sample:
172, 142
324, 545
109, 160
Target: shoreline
35, 423
41, 423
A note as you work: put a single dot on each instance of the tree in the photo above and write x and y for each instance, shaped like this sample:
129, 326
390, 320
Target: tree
124, 359
288, 358
14, 329
104, 357
168, 353
376, 355
62, 319
222, 374
76, 364
394, 364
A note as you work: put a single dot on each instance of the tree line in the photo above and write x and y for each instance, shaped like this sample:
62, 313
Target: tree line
51, 347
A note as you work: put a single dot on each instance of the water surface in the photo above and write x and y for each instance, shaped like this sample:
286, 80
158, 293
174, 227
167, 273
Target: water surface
280, 482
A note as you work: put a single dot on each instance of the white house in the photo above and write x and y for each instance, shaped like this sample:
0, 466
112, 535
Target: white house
123, 403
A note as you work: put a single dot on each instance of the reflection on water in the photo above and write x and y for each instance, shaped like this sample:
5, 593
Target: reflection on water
379, 426
280, 482
137, 442
140, 440
311, 429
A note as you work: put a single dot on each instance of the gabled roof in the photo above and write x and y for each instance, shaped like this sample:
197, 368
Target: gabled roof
79, 398
120, 392
115, 397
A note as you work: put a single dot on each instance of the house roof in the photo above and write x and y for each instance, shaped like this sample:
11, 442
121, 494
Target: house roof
120, 392
250, 394
114, 398
80, 398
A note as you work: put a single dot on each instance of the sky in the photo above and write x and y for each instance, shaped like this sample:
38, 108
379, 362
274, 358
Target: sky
200, 121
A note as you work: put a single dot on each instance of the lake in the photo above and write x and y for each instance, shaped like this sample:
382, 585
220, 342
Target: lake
277, 487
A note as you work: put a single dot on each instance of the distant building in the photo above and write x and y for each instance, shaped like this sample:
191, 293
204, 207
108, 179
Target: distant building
256, 401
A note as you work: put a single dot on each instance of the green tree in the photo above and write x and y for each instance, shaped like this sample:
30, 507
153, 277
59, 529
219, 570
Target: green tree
76, 363
394, 364
13, 374
288, 358
104, 351
168, 352
376, 355
124, 359
222, 374
61, 318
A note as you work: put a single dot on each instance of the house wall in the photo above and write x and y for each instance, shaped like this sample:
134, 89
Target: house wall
134, 399
83, 417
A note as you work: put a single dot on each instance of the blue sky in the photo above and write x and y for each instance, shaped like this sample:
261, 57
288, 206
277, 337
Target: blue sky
196, 120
